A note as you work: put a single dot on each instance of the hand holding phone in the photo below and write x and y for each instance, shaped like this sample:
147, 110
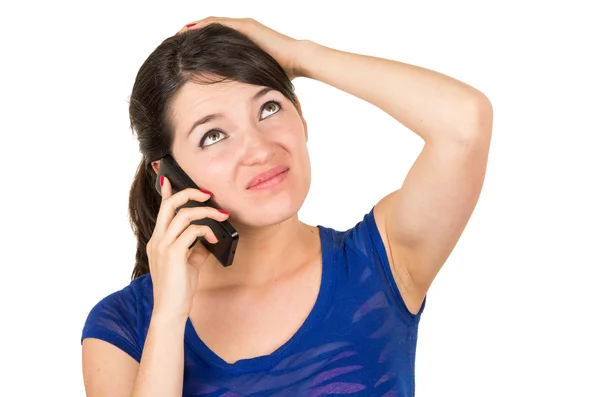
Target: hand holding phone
174, 267
224, 249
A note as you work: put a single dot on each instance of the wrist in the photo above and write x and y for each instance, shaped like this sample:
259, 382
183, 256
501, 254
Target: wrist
162, 319
304, 54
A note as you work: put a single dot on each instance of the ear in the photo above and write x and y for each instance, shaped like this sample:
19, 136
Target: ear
302, 117
155, 165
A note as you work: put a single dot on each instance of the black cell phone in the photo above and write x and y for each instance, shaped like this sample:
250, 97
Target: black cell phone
224, 250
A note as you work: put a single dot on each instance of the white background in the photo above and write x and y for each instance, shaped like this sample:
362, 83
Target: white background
514, 312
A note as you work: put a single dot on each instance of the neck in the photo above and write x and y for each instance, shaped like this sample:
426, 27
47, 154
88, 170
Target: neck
265, 254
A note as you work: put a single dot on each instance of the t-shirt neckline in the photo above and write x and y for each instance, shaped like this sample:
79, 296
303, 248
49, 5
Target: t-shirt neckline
316, 314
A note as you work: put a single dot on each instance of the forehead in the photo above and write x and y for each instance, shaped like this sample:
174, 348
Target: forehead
194, 96
196, 100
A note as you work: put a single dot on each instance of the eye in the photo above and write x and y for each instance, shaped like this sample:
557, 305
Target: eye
272, 106
211, 137
214, 136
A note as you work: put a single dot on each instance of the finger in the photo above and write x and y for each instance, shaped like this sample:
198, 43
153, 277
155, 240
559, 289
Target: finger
165, 187
186, 216
185, 28
190, 235
203, 22
231, 22
163, 213
197, 24
189, 26
171, 202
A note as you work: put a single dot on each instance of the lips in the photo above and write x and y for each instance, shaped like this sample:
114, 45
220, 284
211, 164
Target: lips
265, 176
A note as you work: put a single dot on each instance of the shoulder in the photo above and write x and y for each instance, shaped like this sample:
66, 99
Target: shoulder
121, 317
359, 255
361, 239
128, 299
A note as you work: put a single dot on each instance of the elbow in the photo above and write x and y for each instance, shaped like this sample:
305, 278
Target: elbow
479, 118
483, 115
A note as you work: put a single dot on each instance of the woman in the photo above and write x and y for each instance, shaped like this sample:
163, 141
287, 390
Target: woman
303, 310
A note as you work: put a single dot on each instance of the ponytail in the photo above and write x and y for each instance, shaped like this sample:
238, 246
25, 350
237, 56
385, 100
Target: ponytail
144, 203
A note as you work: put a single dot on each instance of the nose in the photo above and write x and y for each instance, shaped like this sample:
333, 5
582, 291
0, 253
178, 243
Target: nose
257, 148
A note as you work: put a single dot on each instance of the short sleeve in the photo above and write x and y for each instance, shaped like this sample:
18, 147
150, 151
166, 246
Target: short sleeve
365, 240
114, 319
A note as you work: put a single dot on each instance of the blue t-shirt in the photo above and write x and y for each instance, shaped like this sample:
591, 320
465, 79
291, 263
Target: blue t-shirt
358, 340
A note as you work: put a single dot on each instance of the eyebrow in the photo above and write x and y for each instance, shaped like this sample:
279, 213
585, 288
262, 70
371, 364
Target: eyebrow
214, 116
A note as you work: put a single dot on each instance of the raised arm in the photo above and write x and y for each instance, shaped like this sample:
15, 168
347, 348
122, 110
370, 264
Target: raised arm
422, 221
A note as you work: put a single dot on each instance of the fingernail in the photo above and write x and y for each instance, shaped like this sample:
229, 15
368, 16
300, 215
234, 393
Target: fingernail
224, 212
162, 180
189, 25
206, 192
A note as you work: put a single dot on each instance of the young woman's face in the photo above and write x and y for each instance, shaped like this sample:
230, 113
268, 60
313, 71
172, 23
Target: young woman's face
255, 130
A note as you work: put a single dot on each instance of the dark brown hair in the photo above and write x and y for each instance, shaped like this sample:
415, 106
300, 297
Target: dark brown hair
193, 56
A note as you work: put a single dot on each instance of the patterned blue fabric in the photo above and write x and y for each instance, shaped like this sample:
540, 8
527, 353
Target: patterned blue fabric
358, 340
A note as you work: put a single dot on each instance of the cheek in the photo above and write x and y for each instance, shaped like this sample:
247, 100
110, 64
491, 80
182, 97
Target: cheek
290, 136
213, 175
295, 144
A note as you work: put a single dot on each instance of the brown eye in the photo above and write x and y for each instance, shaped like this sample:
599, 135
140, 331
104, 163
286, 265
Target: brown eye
271, 107
212, 136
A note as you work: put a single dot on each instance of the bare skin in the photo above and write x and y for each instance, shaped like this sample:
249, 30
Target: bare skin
269, 311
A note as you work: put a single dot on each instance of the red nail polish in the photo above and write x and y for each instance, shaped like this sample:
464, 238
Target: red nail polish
162, 180
189, 25
224, 212
206, 192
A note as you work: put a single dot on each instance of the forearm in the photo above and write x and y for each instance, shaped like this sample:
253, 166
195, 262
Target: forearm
161, 367
432, 105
